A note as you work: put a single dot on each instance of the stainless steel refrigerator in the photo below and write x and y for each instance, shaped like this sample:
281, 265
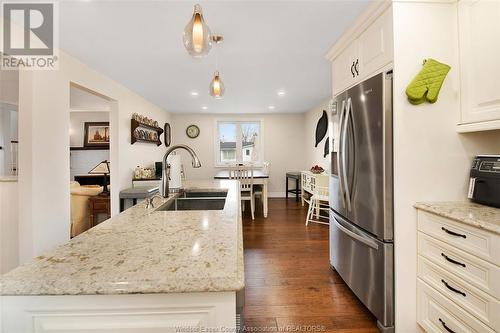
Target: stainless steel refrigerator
361, 194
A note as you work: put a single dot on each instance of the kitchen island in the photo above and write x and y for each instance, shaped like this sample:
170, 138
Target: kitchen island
144, 270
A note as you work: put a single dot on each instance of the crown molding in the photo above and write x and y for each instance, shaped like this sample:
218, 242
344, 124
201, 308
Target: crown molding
374, 10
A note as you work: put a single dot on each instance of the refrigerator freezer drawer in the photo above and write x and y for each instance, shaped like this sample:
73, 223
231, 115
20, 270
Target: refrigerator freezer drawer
366, 265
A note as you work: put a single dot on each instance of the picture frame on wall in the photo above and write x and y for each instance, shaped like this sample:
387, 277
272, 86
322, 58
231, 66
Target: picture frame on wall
96, 134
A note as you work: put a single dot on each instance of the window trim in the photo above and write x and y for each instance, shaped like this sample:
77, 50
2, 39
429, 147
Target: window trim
239, 155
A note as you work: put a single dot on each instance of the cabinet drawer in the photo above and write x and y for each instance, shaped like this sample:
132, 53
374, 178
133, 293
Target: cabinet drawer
481, 305
434, 312
101, 206
472, 240
475, 271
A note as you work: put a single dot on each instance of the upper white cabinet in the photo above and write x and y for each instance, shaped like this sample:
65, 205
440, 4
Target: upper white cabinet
375, 46
368, 49
343, 71
479, 43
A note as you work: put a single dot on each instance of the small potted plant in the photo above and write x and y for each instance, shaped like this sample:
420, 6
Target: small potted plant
317, 169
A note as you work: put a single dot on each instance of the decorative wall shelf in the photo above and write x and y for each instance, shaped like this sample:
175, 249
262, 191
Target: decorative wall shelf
134, 124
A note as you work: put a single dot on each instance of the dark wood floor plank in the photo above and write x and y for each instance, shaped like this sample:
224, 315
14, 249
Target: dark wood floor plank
288, 278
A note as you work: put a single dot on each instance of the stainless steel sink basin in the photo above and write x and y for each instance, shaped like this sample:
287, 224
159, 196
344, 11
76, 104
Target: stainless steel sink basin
192, 200
196, 194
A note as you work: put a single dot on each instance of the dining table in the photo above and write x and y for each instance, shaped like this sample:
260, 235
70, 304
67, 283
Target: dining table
259, 178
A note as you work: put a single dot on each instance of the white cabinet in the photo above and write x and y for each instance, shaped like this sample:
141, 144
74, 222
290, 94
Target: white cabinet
343, 73
368, 52
375, 46
479, 43
309, 181
458, 277
131, 313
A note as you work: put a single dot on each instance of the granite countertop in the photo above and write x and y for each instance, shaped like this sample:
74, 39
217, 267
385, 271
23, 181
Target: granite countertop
480, 216
8, 179
144, 251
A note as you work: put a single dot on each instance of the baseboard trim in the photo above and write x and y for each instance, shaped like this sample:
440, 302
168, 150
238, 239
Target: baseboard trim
278, 194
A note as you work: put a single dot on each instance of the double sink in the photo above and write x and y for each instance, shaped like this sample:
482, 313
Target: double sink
196, 200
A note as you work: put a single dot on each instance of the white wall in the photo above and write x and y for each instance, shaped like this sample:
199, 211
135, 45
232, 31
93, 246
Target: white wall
82, 161
77, 122
44, 159
314, 155
9, 244
283, 138
431, 161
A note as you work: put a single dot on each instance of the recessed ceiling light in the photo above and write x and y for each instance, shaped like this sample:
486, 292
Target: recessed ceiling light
194, 93
271, 107
204, 107
281, 93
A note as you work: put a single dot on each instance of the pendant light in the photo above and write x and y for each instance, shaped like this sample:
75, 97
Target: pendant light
197, 36
216, 87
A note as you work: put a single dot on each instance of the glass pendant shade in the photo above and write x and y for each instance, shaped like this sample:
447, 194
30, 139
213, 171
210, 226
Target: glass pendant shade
216, 86
197, 36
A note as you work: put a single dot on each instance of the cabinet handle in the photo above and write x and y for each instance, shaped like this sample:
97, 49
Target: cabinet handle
356, 67
453, 261
453, 289
446, 327
352, 69
453, 233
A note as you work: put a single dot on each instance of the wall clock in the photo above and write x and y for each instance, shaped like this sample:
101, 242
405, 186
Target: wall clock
192, 131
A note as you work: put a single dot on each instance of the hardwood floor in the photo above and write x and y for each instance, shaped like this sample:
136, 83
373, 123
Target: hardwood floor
289, 283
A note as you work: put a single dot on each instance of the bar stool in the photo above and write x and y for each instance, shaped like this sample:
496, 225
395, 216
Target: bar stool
317, 204
136, 193
293, 175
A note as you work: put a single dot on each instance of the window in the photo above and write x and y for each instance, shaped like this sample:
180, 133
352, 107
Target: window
239, 142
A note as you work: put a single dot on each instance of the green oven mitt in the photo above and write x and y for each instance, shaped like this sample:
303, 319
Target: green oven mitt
426, 85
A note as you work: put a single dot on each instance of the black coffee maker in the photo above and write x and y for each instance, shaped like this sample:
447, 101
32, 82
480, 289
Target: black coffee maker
484, 184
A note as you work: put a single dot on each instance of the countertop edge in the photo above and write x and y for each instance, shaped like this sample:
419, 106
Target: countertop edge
230, 283
433, 208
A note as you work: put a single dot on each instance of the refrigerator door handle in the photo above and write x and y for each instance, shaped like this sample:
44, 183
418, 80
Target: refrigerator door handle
341, 153
359, 238
344, 159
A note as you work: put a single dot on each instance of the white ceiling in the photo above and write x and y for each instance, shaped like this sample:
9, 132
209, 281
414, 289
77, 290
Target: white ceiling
268, 46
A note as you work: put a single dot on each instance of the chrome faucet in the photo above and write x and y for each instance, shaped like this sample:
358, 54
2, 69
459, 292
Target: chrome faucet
166, 174
150, 201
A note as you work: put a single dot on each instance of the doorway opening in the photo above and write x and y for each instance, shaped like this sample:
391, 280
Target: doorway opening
90, 128
9, 169
9, 100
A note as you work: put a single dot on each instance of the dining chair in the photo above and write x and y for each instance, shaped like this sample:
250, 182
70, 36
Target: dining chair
257, 189
245, 177
318, 203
